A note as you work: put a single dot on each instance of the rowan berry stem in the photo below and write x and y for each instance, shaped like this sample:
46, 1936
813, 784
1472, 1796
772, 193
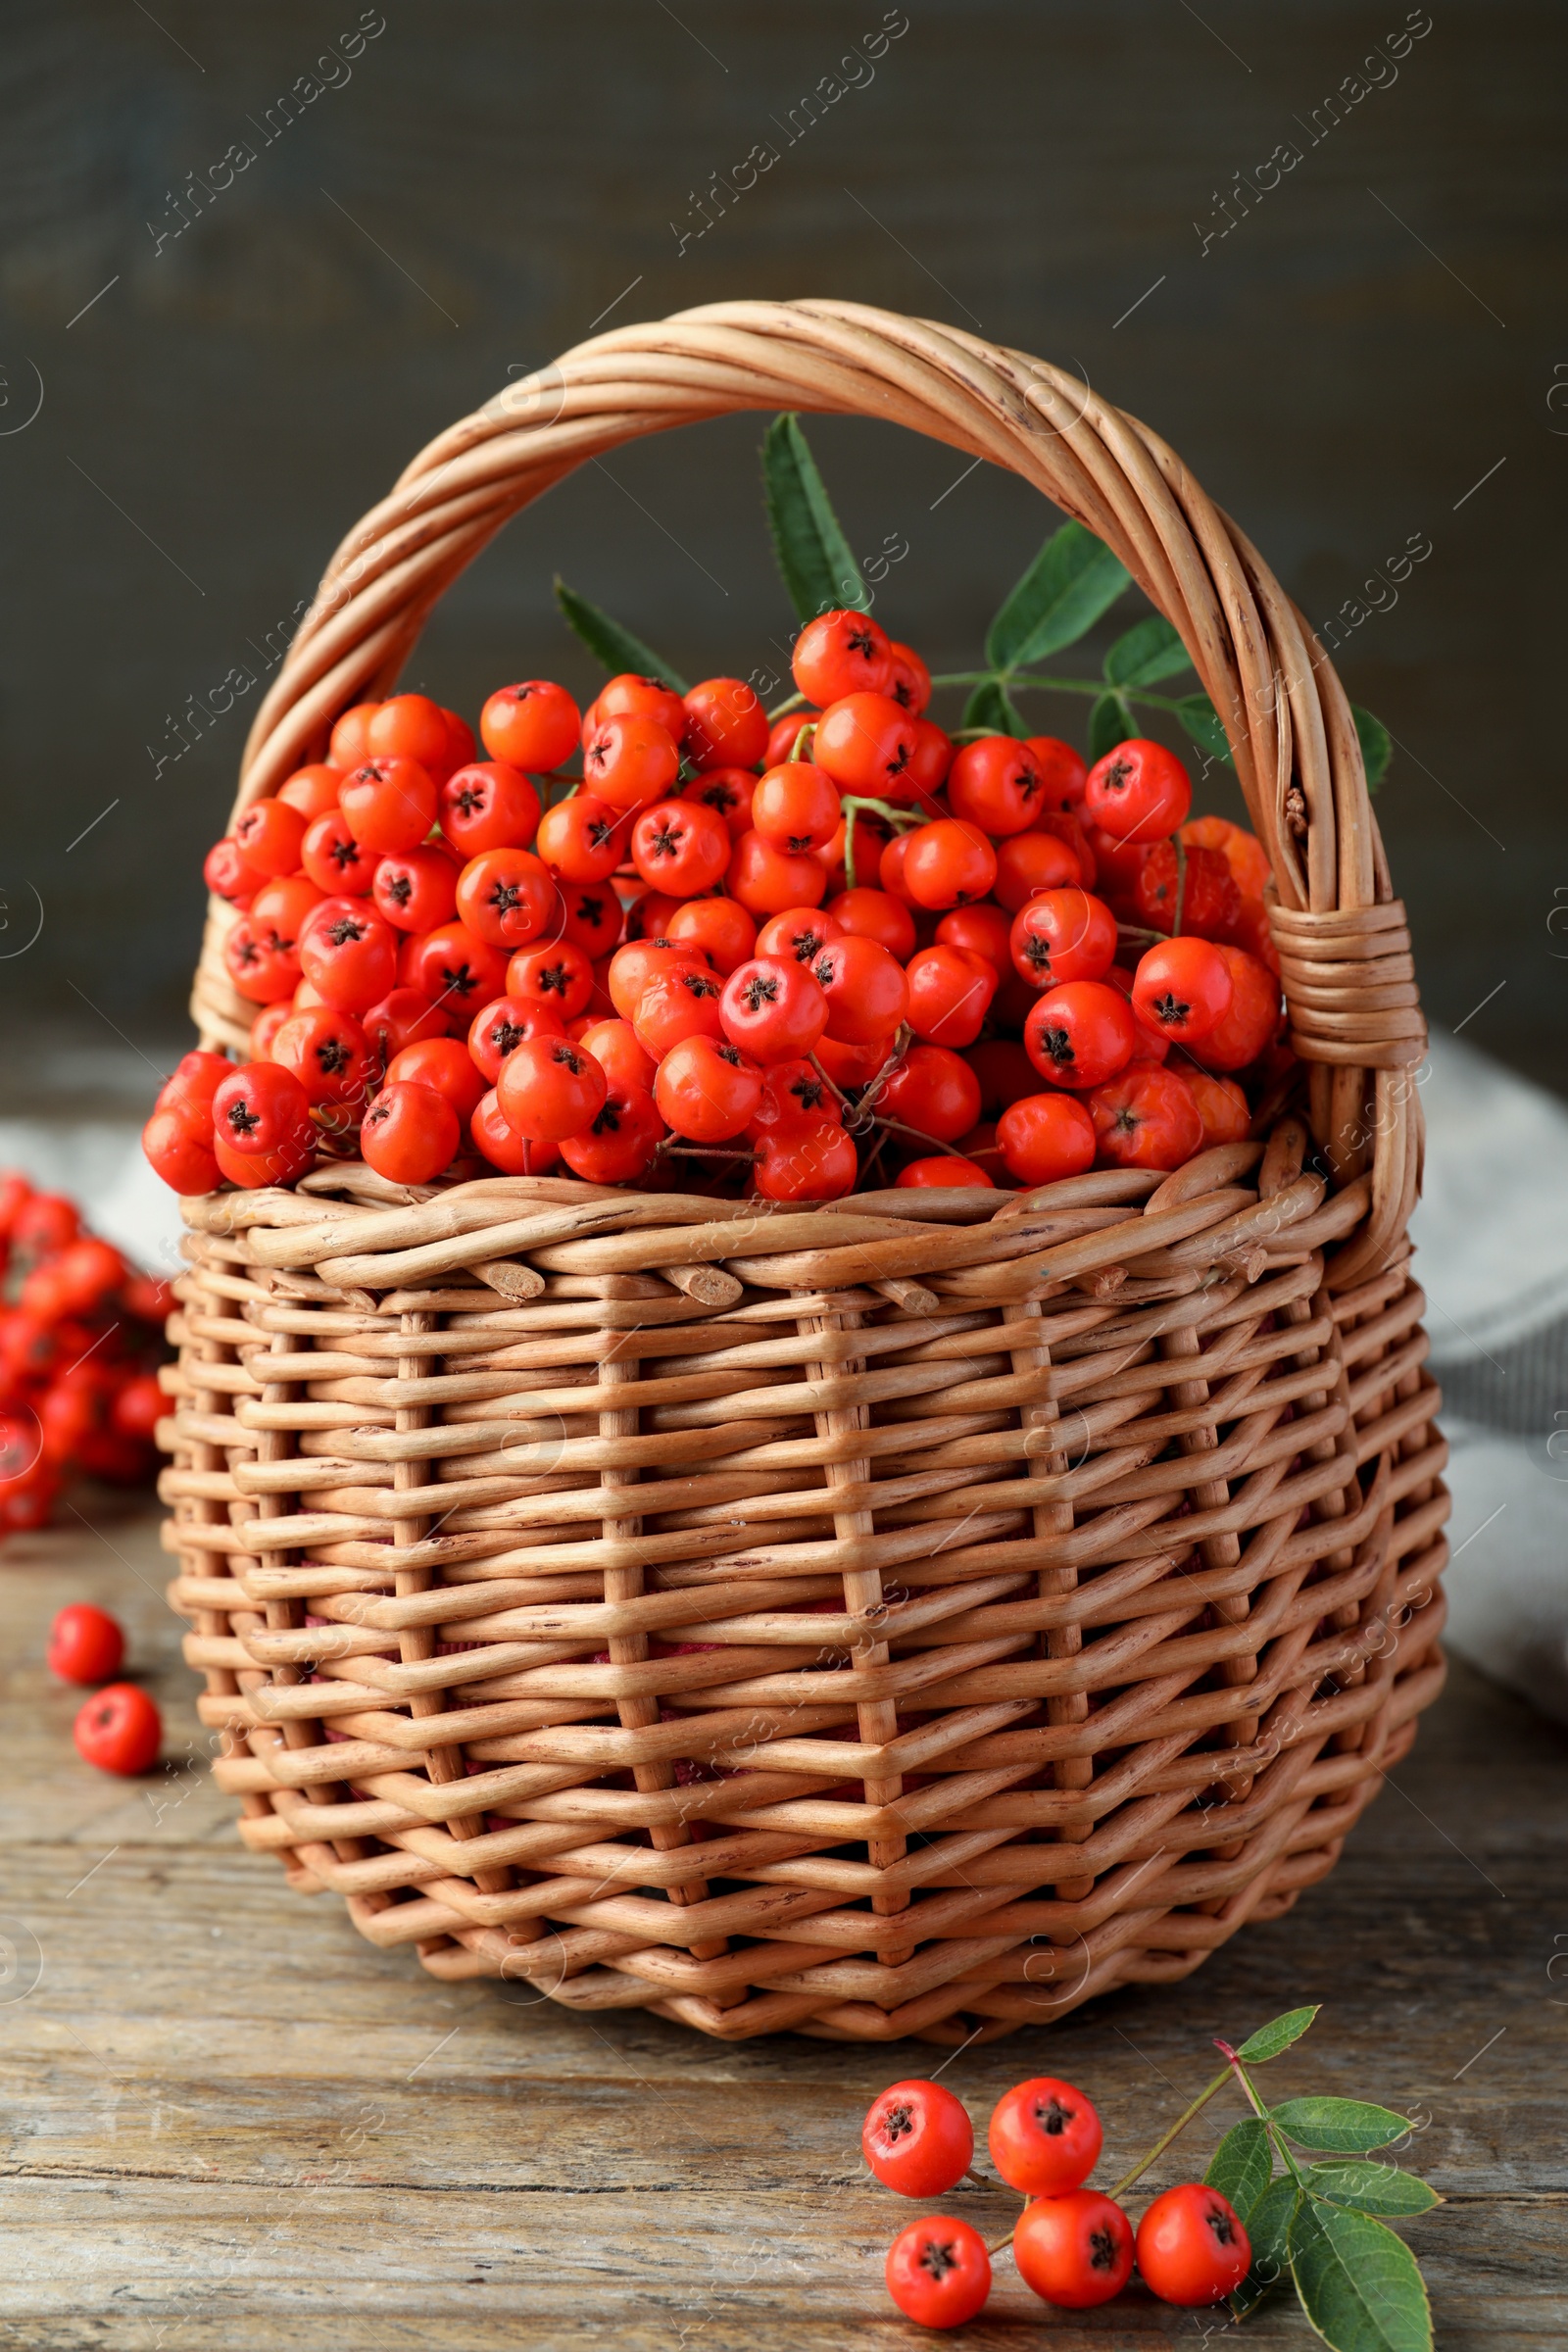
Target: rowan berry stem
1177, 2128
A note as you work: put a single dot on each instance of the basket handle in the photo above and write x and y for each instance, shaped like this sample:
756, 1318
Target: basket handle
1344, 947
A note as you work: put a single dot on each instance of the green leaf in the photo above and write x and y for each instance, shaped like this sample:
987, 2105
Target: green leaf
616, 648
1371, 2188
1110, 722
1204, 725
992, 707
1152, 650
1072, 581
1268, 2230
1358, 2284
1377, 744
1240, 2166
1277, 2036
814, 556
1347, 2127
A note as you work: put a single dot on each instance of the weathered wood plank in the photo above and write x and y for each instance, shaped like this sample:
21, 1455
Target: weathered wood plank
233, 2123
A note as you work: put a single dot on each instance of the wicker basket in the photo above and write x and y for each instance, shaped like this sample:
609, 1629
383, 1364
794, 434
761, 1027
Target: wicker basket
910, 1618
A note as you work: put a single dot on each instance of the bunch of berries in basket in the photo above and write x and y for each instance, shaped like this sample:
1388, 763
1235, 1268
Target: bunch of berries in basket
681, 940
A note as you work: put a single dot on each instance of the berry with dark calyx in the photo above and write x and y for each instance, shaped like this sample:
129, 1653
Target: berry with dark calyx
768, 880
1059, 935
1137, 791
996, 783
842, 652
1145, 1119
620, 1142
349, 954
549, 1089
938, 2272
917, 2138
1183, 989
682, 848
796, 808
794, 1094
1063, 772
335, 858
1045, 2136
261, 1108
1080, 1034
507, 897
630, 760
489, 805
560, 977
390, 803
629, 695
728, 792
581, 840
455, 972
773, 1009
912, 680
1074, 2250
1191, 2246
329, 1054
868, 744
708, 1091
410, 1130
505, 1023
866, 989
270, 836
682, 1000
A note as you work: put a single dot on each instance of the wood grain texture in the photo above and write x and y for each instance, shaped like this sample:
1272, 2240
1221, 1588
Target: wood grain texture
232, 2124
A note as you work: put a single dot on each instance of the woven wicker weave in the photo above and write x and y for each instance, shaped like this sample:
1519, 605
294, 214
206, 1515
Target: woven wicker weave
910, 1618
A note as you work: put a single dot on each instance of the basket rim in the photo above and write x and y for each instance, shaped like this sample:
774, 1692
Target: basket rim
1297, 755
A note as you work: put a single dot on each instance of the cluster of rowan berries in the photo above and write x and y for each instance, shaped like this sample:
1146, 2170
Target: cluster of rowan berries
837, 947
81, 1333
1073, 2245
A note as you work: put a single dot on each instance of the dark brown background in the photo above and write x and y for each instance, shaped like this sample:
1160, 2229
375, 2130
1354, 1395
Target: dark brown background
1338, 377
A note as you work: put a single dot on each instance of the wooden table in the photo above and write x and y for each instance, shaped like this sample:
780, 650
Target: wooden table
232, 2123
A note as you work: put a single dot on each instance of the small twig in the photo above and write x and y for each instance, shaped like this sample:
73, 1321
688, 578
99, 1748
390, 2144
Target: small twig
896, 1127
791, 702
836, 1091
1178, 2127
681, 1147
861, 1117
